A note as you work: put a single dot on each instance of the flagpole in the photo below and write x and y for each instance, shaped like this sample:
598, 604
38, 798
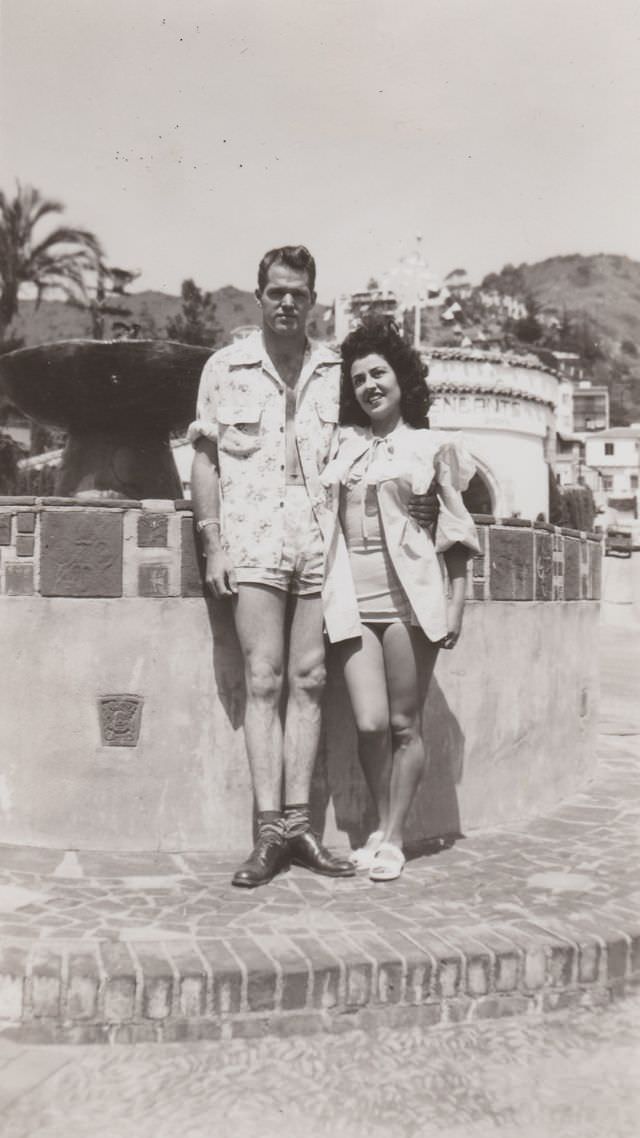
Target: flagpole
416, 310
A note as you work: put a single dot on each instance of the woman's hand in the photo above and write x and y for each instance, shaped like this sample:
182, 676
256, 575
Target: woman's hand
219, 575
455, 613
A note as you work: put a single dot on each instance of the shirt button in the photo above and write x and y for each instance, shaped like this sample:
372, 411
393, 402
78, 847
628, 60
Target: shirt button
282, 503
281, 430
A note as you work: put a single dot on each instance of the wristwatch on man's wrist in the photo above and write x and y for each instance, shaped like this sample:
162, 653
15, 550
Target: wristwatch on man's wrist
207, 522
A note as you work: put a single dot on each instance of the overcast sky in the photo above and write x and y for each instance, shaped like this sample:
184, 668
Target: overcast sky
192, 135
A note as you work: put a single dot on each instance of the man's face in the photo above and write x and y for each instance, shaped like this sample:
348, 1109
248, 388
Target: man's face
286, 301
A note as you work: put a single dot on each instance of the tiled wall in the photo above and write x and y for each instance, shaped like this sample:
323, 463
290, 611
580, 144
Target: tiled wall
56, 547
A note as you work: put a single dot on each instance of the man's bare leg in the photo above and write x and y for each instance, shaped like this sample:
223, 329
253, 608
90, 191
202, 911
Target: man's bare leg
306, 679
260, 613
306, 676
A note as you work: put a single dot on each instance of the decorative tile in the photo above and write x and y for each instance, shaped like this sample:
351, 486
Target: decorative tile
153, 530
19, 580
153, 580
511, 564
81, 554
120, 719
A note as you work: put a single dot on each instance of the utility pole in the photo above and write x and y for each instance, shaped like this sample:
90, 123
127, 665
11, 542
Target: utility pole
416, 308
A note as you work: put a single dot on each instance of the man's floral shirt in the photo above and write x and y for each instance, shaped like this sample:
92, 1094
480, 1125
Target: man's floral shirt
241, 407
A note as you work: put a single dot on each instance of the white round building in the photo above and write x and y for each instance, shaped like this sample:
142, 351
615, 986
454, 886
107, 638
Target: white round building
505, 405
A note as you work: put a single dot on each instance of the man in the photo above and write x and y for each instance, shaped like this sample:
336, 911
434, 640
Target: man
266, 418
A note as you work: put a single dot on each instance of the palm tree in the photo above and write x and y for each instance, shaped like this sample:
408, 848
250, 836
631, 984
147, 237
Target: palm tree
58, 260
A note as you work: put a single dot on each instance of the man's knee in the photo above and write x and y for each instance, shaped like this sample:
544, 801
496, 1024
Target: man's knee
308, 678
263, 680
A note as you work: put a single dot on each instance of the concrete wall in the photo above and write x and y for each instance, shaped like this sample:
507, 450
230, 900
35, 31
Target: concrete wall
122, 697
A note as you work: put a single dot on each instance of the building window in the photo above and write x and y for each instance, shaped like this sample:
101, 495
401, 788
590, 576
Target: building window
608, 448
607, 481
634, 481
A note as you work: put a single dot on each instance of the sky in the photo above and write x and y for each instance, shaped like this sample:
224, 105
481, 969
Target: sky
192, 135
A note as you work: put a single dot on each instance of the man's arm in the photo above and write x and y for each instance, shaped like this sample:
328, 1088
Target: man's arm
424, 508
205, 494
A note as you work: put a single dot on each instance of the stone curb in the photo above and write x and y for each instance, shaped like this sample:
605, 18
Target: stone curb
120, 993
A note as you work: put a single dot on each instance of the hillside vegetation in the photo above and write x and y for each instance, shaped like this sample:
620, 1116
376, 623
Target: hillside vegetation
57, 320
596, 301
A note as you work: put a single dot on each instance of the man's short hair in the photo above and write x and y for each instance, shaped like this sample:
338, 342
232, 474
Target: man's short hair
294, 256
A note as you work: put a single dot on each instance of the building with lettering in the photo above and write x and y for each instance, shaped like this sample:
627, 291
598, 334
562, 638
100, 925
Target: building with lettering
505, 406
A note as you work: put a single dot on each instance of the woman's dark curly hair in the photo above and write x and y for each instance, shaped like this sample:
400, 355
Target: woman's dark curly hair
380, 335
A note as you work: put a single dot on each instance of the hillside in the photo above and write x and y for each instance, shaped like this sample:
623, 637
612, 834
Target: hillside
57, 320
597, 301
585, 304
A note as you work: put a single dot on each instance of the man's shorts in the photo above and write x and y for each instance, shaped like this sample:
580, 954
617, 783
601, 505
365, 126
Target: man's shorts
301, 568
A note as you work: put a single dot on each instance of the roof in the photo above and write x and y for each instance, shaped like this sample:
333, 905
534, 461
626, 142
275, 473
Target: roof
617, 433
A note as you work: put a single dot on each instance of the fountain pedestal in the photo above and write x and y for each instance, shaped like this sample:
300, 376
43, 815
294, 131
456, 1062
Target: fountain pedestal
118, 402
133, 465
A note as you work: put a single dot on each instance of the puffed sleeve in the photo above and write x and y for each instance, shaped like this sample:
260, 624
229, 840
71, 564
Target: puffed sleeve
205, 424
454, 469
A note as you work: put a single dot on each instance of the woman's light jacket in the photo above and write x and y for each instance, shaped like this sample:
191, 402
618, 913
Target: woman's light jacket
398, 465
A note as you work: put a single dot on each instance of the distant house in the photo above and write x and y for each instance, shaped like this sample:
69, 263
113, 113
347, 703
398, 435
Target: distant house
495, 301
459, 284
590, 407
615, 454
350, 309
569, 364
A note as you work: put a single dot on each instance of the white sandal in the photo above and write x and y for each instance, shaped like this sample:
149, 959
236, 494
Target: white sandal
388, 862
363, 857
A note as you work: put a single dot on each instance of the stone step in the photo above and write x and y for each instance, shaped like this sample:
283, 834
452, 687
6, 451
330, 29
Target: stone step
521, 919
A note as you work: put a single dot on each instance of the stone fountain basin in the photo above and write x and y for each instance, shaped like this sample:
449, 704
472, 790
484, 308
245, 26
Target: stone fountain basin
106, 385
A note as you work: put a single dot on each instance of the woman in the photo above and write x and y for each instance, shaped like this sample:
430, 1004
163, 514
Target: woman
381, 560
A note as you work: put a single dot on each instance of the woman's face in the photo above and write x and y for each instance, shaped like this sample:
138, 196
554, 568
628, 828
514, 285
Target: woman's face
377, 390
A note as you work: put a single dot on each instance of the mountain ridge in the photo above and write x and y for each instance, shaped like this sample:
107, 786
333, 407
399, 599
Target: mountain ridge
594, 298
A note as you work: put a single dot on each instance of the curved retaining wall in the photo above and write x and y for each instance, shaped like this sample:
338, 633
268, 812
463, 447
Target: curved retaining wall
121, 699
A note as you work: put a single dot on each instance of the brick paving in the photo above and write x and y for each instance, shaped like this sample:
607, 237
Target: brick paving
572, 1074
525, 917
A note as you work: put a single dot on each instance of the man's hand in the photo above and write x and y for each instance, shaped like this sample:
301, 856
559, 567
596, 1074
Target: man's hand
424, 508
219, 576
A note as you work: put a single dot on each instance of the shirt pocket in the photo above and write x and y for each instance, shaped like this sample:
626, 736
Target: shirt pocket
326, 425
239, 428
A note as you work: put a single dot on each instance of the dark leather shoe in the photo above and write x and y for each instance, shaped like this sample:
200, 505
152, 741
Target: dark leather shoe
269, 856
307, 851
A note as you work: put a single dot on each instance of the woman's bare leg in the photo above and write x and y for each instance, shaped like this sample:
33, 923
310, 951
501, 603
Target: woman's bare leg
409, 660
363, 667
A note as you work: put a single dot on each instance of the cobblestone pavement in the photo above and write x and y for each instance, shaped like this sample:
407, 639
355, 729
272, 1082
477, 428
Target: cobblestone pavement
570, 1075
512, 919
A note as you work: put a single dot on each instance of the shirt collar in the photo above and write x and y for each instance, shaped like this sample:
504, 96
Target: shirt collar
400, 429
251, 352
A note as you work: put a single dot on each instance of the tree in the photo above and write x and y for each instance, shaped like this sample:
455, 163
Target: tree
529, 329
197, 323
10, 455
57, 260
